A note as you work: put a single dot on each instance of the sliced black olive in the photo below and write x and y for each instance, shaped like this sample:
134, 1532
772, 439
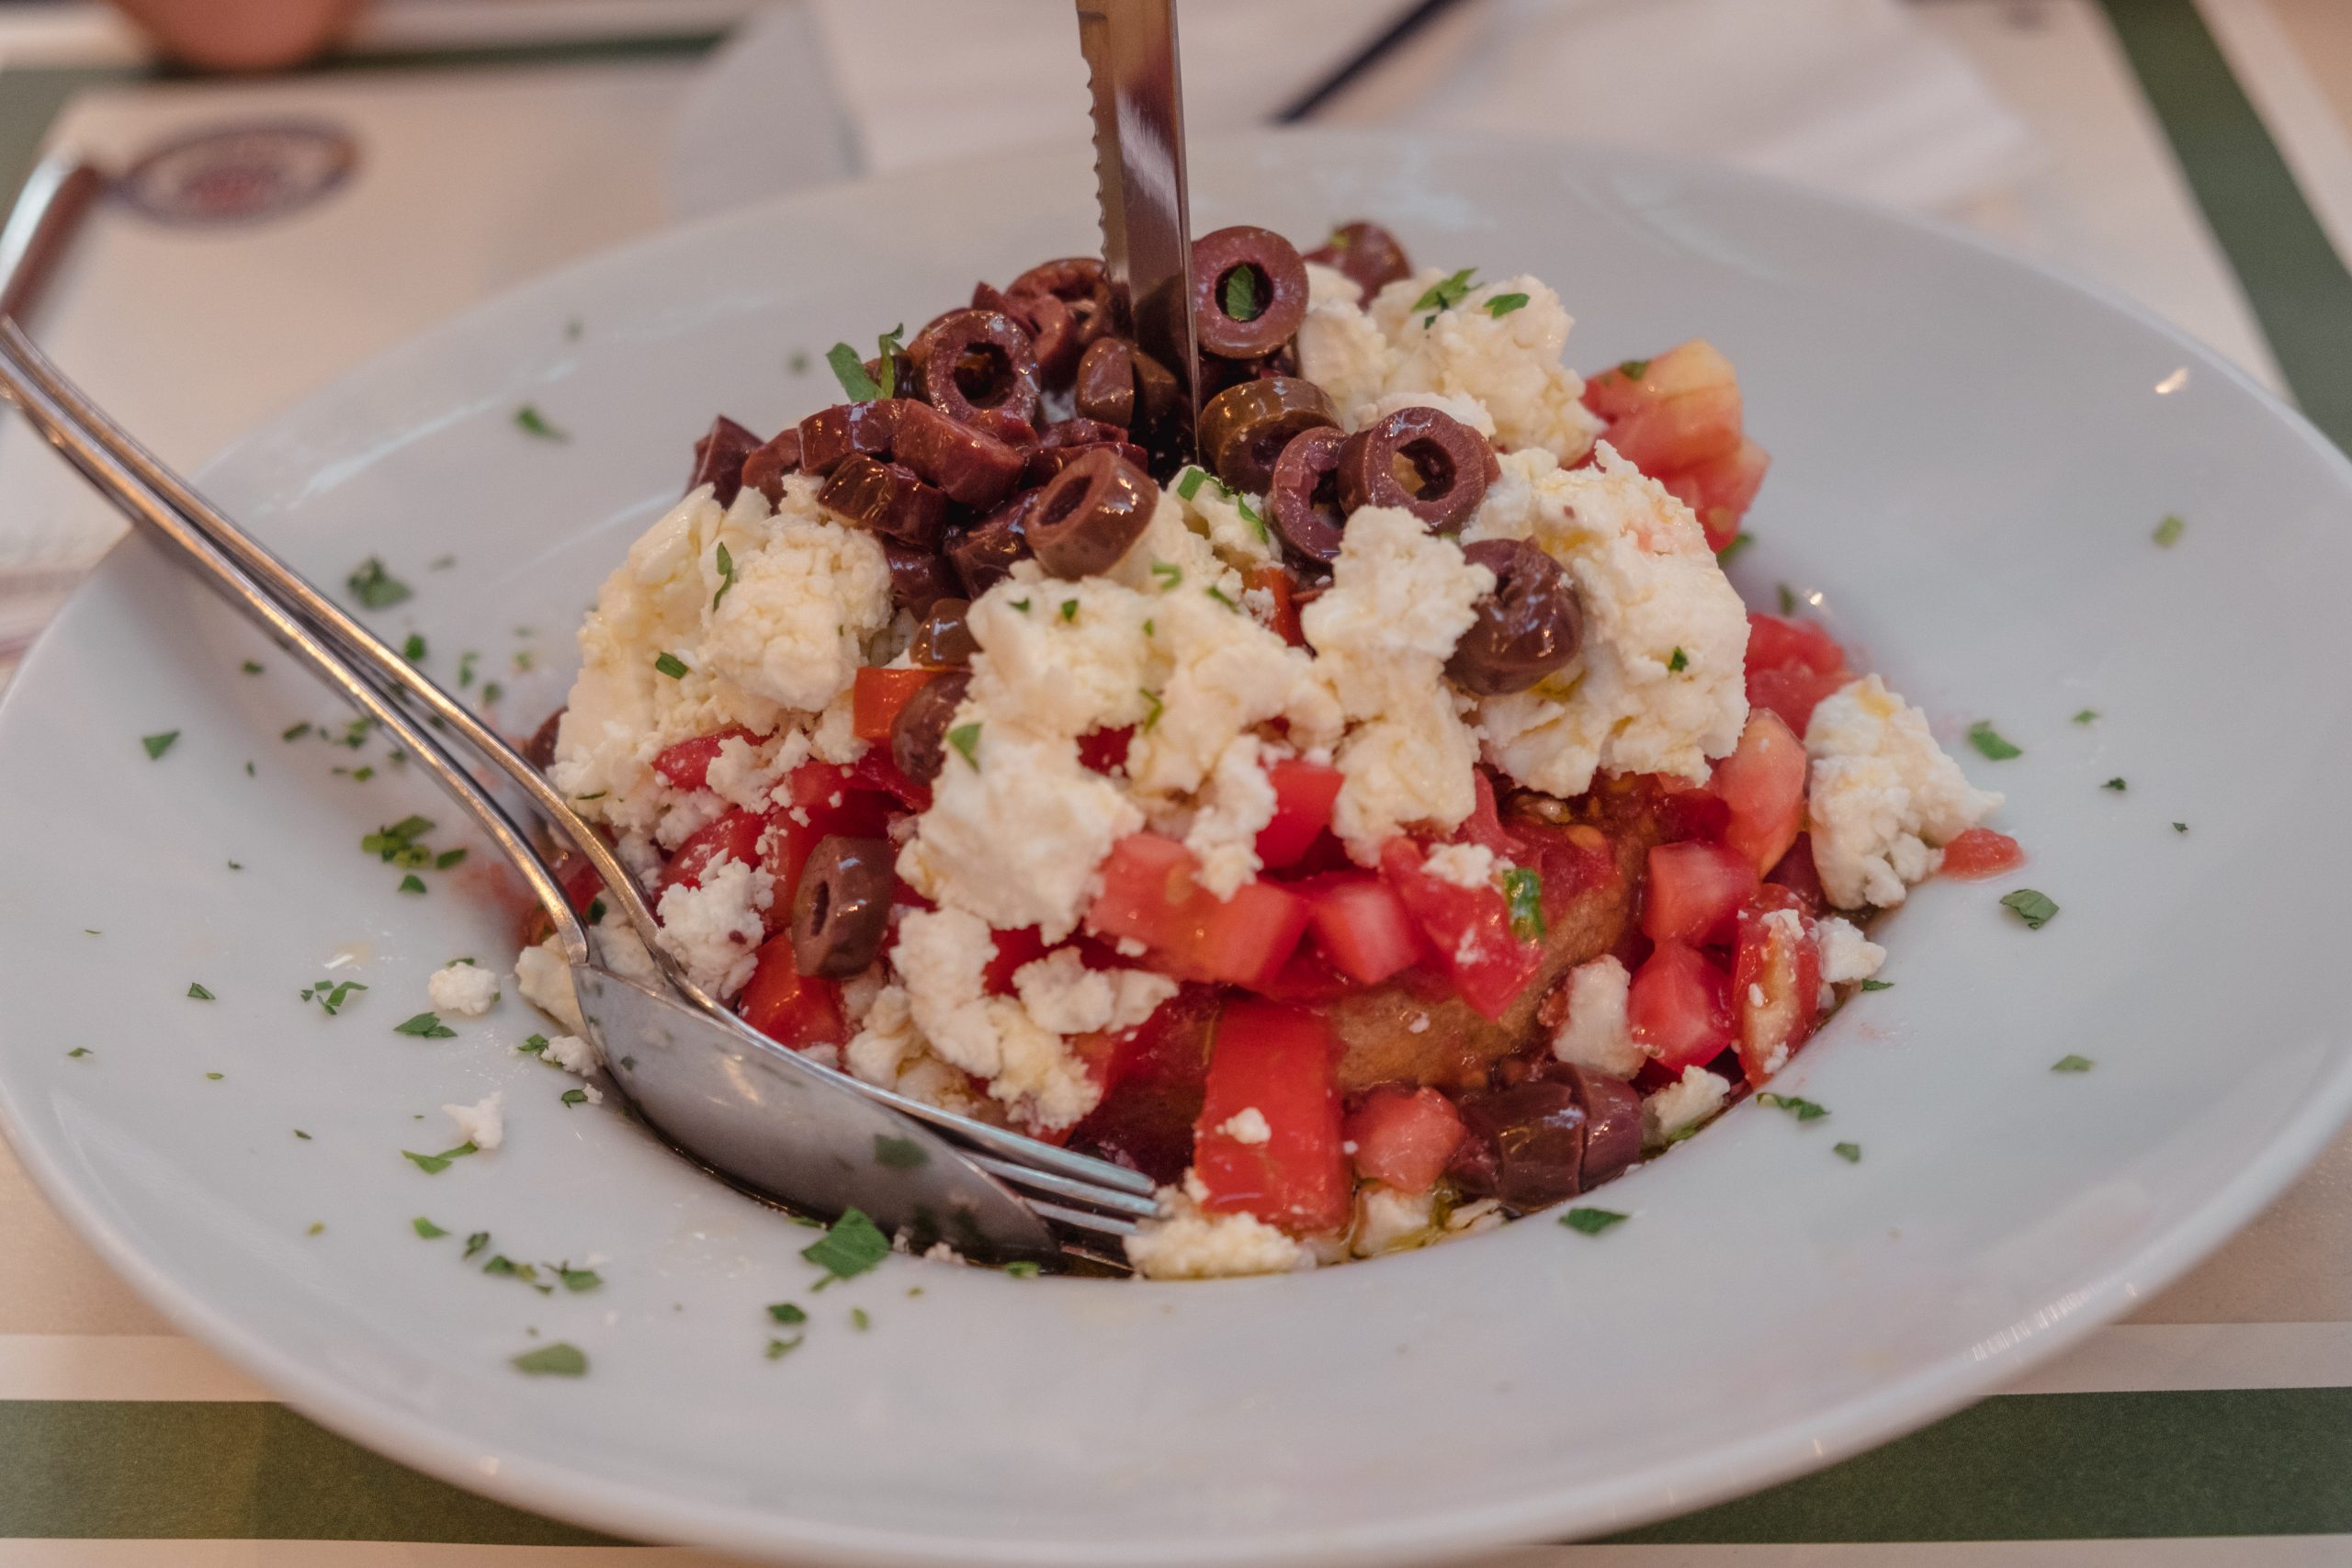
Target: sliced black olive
1302, 496
539, 750
1612, 1121
974, 468
831, 436
1527, 628
1245, 428
886, 499
970, 360
841, 909
1448, 464
1092, 514
1271, 291
984, 554
764, 467
1533, 1138
918, 578
943, 638
1106, 383
720, 457
919, 735
1367, 254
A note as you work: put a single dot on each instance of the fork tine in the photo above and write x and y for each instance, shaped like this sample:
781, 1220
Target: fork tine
1062, 1187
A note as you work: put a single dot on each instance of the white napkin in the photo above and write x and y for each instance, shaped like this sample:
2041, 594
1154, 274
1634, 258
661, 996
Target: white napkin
1851, 96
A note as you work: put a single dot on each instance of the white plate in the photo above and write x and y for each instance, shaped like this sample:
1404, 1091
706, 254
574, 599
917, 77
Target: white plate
1971, 458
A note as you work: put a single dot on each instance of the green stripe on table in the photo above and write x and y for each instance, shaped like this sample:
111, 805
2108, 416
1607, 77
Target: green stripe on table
2298, 286
2017, 1467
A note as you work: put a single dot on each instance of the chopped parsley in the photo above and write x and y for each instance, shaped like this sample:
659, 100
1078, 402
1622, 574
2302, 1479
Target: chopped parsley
474, 1244
1249, 515
466, 669
216, 1077
1153, 708
849, 369
301, 1134
331, 994
1738, 543
560, 1360
251, 667
317, 1227
1444, 294
1592, 1222
1240, 297
413, 649
726, 575
672, 666
1878, 985
1989, 743
80, 1051
490, 691
449, 858
1169, 575
1022, 605
1523, 891
2070, 1064
1024, 1270
397, 845
779, 1348
2031, 907
1070, 609
534, 1045
1788, 600
433, 1165
1220, 595
2088, 716
426, 1026
1634, 369
199, 993
426, 1228
1502, 305
853, 1244
1188, 485
2180, 827
158, 744
412, 883
1850, 1153
1802, 1110
899, 1154
2117, 784
375, 587
858, 1320
1679, 663
786, 1312
966, 738
531, 421
887, 350
578, 1279
2168, 531
294, 732
575, 1097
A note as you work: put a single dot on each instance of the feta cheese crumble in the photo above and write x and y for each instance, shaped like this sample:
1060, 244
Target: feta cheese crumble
482, 1123
1883, 797
1699, 1094
466, 989
1846, 953
1186, 1242
1597, 1034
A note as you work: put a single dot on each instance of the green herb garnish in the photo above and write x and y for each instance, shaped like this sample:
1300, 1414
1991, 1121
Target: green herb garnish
199, 993
1169, 576
331, 993
1523, 892
1592, 1222
1850, 1153
1225, 599
375, 587
531, 421
786, 1312
449, 858
2168, 531
670, 664
560, 1359
1153, 708
158, 744
1634, 369
966, 738
1024, 1270
1444, 294
1240, 297
1502, 305
578, 1279
2088, 716
433, 1165
426, 1228
413, 649
1989, 743
2031, 907
888, 347
1679, 663
1070, 609
1738, 543
575, 1097
251, 667
1802, 1110
412, 883
858, 1320
426, 1026
849, 1247
1878, 985
726, 575
849, 369
2117, 784
2071, 1065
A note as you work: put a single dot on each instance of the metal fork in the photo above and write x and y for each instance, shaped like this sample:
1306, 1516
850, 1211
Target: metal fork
1094, 1198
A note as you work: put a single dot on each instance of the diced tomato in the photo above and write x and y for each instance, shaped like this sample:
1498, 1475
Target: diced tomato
1280, 1062
1275, 578
1776, 983
1680, 1007
1981, 852
1404, 1137
1679, 433
1692, 366
1797, 872
1469, 929
788, 1007
1304, 794
1791, 665
1484, 826
1359, 924
735, 836
1310, 979
1763, 783
1721, 490
876, 773
1152, 1085
853, 801
1692, 892
1149, 895
879, 694
1013, 949
687, 764
581, 886
1105, 751
1792, 693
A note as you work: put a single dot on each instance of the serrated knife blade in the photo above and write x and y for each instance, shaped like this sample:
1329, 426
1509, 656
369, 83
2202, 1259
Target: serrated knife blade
1130, 47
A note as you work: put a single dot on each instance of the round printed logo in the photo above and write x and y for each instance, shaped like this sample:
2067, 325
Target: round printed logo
241, 173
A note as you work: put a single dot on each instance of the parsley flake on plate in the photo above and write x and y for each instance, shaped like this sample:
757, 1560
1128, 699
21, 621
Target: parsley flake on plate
575, 1097
858, 1320
1738, 543
779, 1348
433, 1165
199, 992
560, 1360
2088, 716
578, 1279
331, 995
1850, 1153
214, 1077
1024, 1270
1592, 1222
158, 744
426, 1026
852, 1246
1878, 985
412, 883
531, 421
2070, 1064
80, 1051
474, 1244
786, 1312
413, 649
251, 667
375, 587
2168, 531
2031, 906
1989, 743
426, 1228
1802, 1110
2117, 784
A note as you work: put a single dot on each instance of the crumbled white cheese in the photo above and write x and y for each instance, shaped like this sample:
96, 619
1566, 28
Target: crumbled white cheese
571, 1054
1225, 517
466, 989
793, 629
685, 815
1400, 598
1464, 865
716, 929
1883, 797
1340, 349
745, 773
1236, 806
1474, 1219
1188, 1243
1650, 589
544, 980
481, 1123
1699, 1094
1596, 1033
1510, 363
941, 957
1462, 410
1846, 953
1390, 1220
1063, 994
1247, 1125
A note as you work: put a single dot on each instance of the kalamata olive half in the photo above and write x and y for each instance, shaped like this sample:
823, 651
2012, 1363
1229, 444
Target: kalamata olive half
918, 578
1245, 428
1302, 496
974, 469
1534, 1134
1249, 291
1420, 458
720, 457
1367, 253
944, 638
1094, 511
886, 499
970, 360
919, 735
764, 467
841, 908
831, 434
539, 750
1106, 383
984, 554
1613, 1121
1527, 628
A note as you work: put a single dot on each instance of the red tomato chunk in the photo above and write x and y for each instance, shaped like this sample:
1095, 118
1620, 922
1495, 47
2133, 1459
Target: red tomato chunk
1467, 928
1680, 1008
1980, 852
1693, 893
1278, 1061
788, 1007
1149, 895
1404, 1137
1361, 925
1304, 794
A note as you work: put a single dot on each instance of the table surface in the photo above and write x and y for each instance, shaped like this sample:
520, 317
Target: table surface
2196, 154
